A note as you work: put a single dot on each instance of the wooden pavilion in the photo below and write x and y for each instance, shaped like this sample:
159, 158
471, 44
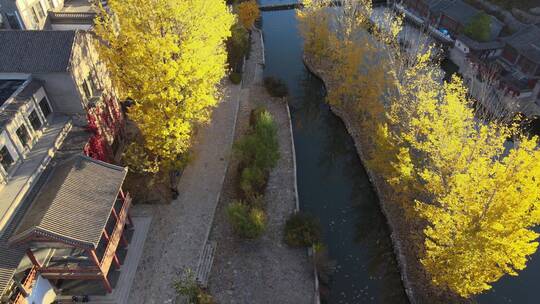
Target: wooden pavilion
80, 215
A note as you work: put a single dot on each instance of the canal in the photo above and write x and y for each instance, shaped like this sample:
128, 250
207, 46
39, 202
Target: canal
332, 182
334, 187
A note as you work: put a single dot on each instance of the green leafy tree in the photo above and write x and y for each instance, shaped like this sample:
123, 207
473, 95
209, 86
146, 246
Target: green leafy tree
479, 28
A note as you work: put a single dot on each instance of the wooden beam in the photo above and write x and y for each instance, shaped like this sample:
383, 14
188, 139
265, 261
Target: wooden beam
25, 292
93, 256
73, 276
114, 213
115, 258
32, 258
72, 269
104, 278
106, 283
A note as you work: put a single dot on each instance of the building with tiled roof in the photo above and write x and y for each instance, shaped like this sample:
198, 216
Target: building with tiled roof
62, 214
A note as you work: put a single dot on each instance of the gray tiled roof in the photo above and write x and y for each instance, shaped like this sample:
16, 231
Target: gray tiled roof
7, 114
74, 205
476, 45
526, 42
8, 87
11, 256
463, 12
35, 51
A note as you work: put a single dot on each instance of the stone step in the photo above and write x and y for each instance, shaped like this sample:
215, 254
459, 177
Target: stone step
205, 263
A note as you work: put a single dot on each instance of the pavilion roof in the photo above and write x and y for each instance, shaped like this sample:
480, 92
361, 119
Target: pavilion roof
74, 204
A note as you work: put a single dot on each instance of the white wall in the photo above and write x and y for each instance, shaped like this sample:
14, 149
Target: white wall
461, 46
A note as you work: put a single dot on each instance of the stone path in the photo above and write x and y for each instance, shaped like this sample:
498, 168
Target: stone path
179, 230
263, 270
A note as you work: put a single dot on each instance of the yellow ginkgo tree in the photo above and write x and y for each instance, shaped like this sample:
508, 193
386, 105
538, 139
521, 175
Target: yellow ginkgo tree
168, 57
248, 12
473, 186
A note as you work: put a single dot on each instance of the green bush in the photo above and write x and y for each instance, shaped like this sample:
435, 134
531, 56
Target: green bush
189, 288
254, 115
247, 222
275, 87
252, 181
258, 152
302, 230
238, 46
479, 28
260, 146
235, 77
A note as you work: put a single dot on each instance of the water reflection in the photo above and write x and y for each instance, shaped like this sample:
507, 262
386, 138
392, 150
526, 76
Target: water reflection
332, 182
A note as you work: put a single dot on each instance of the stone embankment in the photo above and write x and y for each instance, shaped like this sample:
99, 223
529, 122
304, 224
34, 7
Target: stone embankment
264, 270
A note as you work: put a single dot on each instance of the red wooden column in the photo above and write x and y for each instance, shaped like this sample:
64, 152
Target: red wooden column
32, 258
106, 283
115, 257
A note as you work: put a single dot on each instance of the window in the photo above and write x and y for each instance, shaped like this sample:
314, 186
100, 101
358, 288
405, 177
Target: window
5, 158
34, 120
87, 90
22, 134
35, 17
51, 4
40, 10
44, 106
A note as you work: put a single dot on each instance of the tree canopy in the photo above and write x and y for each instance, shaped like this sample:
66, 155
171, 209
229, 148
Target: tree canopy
471, 195
168, 57
479, 28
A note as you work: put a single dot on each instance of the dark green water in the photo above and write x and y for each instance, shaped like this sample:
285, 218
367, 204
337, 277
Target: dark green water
333, 186
331, 179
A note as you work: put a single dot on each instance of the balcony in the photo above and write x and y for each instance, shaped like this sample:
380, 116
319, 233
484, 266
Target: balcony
76, 14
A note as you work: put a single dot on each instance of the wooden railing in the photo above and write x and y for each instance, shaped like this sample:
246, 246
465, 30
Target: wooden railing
27, 284
116, 236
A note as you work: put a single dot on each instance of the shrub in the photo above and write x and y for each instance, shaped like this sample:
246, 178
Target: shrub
254, 115
252, 181
479, 28
275, 87
247, 222
235, 77
260, 146
302, 230
258, 152
189, 288
248, 12
325, 265
238, 46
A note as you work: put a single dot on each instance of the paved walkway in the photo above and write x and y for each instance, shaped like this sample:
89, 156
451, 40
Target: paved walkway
264, 270
179, 230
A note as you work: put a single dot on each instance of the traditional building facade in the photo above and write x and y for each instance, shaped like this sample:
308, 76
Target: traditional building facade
63, 213
514, 75
48, 14
452, 16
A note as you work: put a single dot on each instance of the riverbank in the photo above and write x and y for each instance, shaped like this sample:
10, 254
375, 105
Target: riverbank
264, 270
404, 235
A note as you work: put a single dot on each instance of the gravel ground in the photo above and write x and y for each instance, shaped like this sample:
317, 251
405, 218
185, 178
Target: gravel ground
179, 230
263, 270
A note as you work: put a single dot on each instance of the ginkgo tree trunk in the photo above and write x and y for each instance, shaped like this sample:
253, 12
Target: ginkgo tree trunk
168, 57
